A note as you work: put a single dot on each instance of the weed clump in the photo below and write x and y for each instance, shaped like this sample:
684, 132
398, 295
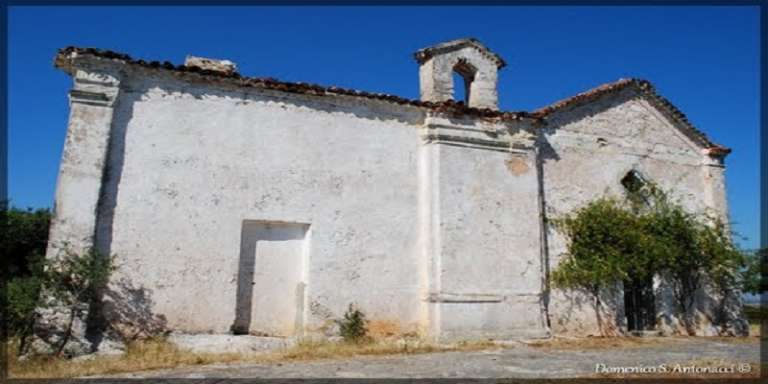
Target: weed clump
353, 327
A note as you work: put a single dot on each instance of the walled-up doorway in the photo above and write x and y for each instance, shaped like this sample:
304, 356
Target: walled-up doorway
639, 305
271, 279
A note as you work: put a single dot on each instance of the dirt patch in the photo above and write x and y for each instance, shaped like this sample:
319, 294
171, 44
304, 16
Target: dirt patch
587, 343
401, 360
384, 329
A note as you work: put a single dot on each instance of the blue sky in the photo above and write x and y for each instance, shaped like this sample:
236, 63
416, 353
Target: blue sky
704, 59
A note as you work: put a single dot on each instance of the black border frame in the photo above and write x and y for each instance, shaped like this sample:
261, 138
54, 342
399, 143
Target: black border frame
762, 4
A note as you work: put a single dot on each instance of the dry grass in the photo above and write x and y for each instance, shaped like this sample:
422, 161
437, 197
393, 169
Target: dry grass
755, 315
160, 354
751, 339
330, 350
583, 343
587, 343
139, 356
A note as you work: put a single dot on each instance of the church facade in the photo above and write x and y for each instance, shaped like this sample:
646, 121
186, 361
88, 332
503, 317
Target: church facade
253, 206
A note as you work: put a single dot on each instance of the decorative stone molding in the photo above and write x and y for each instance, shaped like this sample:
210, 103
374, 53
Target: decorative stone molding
491, 136
95, 88
452, 297
445, 297
84, 157
712, 158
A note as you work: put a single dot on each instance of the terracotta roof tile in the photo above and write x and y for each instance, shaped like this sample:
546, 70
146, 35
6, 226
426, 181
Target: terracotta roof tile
448, 107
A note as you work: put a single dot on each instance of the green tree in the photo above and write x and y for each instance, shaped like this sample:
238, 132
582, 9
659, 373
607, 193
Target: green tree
74, 281
24, 238
675, 233
755, 262
23, 297
691, 250
646, 235
603, 237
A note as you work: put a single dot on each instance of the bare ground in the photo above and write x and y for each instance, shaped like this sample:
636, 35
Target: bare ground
555, 358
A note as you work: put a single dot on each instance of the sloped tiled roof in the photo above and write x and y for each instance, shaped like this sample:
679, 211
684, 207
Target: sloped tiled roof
645, 88
449, 107
66, 55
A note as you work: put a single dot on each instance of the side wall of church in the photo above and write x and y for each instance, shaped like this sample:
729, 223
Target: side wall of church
212, 192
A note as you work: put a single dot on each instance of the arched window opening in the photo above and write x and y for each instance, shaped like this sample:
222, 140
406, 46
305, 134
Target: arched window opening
638, 188
633, 181
460, 88
463, 75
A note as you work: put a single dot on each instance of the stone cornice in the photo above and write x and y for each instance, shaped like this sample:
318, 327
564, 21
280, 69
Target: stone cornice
712, 160
94, 87
490, 136
463, 297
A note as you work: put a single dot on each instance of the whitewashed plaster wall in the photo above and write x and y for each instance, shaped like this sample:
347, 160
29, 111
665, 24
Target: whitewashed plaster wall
587, 150
198, 160
425, 222
430, 223
436, 78
481, 211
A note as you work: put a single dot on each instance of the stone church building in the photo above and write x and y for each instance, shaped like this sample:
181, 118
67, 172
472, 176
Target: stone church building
253, 206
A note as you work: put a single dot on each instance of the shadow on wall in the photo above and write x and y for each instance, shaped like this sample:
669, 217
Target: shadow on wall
723, 310
715, 313
573, 302
546, 151
270, 284
612, 303
128, 312
98, 323
666, 309
575, 313
113, 172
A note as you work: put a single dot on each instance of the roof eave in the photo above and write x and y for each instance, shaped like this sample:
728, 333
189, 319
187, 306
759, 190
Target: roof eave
66, 58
